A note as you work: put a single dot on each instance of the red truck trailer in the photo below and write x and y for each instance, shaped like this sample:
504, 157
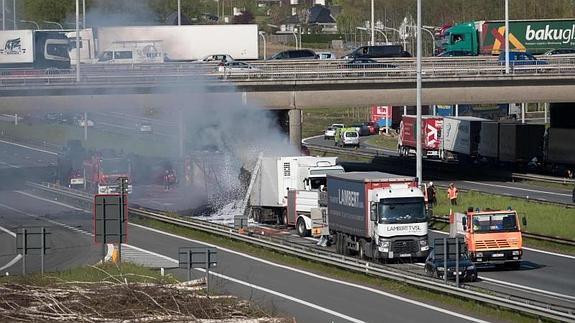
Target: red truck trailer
430, 136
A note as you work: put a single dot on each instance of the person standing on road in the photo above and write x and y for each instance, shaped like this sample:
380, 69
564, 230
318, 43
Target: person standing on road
431, 194
452, 194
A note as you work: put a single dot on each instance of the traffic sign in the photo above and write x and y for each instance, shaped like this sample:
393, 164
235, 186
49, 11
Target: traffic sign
110, 218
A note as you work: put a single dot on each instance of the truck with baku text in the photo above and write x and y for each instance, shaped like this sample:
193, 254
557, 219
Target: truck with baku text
487, 37
377, 215
492, 236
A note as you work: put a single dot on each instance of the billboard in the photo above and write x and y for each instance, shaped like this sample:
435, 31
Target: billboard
382, 115
16, 46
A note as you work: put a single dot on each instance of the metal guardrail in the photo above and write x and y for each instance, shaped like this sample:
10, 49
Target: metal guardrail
543, 178
343, 262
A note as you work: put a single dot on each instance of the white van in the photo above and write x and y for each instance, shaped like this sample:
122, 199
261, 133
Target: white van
147, 54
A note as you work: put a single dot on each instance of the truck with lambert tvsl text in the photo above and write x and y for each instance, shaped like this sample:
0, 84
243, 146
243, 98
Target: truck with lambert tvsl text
377, 215
487, 37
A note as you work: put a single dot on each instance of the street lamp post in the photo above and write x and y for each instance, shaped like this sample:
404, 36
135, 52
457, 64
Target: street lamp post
419, 162
14, 14
261, 33
78, 41
54, 23
179, 12
372, 23
84, 14
383, 34
506, 36
31, 22
432, 40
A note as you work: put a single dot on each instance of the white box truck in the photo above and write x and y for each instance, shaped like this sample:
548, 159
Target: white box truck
178, 43
460, 137
32, 49
278, 175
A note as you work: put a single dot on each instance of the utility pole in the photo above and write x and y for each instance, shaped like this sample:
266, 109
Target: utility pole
372, 23
419, 162
179, 12
3, 15
78, 41
83, 14
506, 36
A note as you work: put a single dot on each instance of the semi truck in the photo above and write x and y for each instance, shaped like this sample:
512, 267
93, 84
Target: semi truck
430, 136
177, 43
492, 236
33, 50
460, 137
377, 215
511, 142
278, 175
487, 37
102, 171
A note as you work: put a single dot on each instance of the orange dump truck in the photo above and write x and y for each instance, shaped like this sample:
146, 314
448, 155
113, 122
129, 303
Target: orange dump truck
492, 237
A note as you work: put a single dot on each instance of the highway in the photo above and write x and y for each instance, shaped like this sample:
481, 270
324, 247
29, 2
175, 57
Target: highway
443, 174
289, 291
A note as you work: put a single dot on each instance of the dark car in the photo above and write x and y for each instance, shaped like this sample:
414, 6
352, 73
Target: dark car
361, 63
296, 54
378, 52
455, 53
373, 127
361, 128
434, 267
561, 51
520, 58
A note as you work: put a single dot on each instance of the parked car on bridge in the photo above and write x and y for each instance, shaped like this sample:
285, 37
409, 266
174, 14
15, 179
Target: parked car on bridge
520, 58
236, 67
326, 55
296, 54
215, 58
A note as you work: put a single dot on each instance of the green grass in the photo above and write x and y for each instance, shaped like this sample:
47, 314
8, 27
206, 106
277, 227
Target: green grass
560, 186
542, 218
394, 287
316, 120
107, 272
60, 134
386, 142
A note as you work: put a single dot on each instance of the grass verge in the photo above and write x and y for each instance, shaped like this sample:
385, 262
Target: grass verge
315, 121
546, 219
390, 286
386, 142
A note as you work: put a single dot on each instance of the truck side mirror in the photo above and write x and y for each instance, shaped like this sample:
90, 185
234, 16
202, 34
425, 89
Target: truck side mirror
464, 223
373, 211
524, 221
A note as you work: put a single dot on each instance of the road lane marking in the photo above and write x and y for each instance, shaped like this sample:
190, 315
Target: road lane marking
51, 201
253, 286
373, 290
28, 147
9, 165
12, 262
518, 188
8, 231
526, 248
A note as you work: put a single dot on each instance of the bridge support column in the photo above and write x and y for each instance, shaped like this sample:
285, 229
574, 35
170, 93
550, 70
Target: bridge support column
294, 116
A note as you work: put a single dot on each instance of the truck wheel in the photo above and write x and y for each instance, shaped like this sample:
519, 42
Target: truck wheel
301, 229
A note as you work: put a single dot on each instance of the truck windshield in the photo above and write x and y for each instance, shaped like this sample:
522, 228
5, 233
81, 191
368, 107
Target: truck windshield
116, 166
401, 210
500, 222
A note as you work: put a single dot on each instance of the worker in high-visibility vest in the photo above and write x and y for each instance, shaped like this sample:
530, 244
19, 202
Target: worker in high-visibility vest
452, 194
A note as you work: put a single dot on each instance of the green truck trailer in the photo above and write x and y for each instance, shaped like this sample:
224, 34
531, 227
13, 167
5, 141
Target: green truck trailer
488, 37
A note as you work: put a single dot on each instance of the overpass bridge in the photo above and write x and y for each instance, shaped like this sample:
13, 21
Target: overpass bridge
292, 86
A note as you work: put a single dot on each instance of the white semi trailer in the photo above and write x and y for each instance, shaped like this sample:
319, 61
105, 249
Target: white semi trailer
177, 43
279, 175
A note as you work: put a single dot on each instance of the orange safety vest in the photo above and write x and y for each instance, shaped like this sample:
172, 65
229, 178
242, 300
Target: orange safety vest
452, 193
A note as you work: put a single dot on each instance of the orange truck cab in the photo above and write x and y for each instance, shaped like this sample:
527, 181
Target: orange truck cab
493, 237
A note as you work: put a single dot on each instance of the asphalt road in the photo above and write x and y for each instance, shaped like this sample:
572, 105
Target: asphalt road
464, 177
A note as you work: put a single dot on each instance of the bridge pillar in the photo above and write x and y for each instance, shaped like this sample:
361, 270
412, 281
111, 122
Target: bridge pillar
294, 116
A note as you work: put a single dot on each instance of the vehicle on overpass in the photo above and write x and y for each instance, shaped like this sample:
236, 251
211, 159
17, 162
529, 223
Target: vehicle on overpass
31, 49
178, 43
379, 51
277, 175
296, 54
487, 37
520, 58
492, 236
133, 52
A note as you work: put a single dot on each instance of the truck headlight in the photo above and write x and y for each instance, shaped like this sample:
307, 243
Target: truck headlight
516, 252
384, 243
479, 255
471, 267
423, 242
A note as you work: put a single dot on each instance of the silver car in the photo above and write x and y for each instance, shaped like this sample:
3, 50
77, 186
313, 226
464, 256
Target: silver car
329, 133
